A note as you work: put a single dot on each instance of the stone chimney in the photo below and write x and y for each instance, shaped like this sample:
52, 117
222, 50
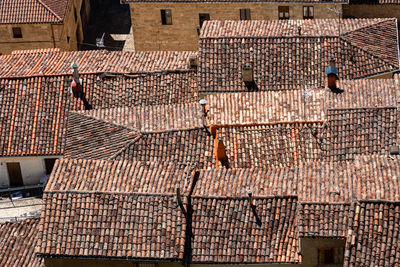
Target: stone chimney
331, 73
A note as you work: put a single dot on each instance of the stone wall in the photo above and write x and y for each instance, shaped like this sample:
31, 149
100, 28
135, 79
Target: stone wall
371, 11
150, 34
46, 35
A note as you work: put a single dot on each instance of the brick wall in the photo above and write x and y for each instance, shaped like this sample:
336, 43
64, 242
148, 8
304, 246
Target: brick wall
150, 34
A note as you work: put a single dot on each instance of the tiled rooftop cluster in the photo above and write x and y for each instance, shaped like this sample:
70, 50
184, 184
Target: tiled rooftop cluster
292, 54
97, 199
35, 99
256, 171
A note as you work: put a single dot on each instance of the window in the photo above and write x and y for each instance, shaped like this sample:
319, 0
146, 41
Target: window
75, 16
330, 255
68, 39
245, 14
14, 174
49, 164
203, 17
166, 17
283, 12
308, 12
17, 32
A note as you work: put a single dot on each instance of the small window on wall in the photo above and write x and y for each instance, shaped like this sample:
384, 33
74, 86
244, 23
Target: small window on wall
308, 12
330, 255
203, 17
166, 17
49, 164
245, 14
17, 32
283, 12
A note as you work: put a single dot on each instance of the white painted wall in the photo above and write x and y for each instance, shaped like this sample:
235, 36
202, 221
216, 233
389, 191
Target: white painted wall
32, 169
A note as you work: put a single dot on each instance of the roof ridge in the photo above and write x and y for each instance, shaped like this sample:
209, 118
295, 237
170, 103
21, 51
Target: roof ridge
107, 193
49, 9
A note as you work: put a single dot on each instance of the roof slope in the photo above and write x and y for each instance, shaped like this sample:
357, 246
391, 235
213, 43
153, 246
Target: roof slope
34, 108
374, 235
173, 133
226, 230
239, 1
106, 205
40, 63
18, 243
287, 55
32, 11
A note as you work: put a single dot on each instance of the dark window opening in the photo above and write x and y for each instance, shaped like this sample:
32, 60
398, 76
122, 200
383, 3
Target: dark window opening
308, 12
17, 32
14, 174
283, 12
203, 17
166, 17
75, 15
245, 14
68, 39
330, 255
49, 164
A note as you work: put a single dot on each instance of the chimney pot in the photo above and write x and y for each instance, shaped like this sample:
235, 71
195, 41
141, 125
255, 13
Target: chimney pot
394, 150
193, 61
331, 73
247, 73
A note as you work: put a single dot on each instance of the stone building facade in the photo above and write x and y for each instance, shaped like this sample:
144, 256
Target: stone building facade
53, 26
372, 9
168, 25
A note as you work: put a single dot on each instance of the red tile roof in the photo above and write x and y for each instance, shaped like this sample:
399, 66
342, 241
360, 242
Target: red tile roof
374, 235
32, 11
283, 60
323, 219
85, 175
174, 133
365, 178
114, 209
34, 108
112, 225
18, 243
225, 230
92, 61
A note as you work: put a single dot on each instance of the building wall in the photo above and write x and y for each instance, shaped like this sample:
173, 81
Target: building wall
63, 262
46, 35
32, 169
371, 11
150, 34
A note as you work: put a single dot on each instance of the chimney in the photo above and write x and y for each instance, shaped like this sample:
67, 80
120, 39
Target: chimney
394, 150
203, 103
193, 61
331, 73
77, 88
247, 73
299, 30
220, 152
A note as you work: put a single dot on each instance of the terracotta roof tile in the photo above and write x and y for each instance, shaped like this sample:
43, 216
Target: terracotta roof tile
323, 219
112, 225
18, 243
228, 231
93, 61
283, 60
32, 11
365, 178
114, 209
373, 237
85, 175
236, 1
34, 109
174, 133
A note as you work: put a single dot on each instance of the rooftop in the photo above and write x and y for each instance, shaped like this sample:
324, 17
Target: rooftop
32, 11
292, 54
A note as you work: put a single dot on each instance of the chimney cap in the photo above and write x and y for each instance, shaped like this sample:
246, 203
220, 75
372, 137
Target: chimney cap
249, 192
203, 102
74, 65
394, 150
247, 66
